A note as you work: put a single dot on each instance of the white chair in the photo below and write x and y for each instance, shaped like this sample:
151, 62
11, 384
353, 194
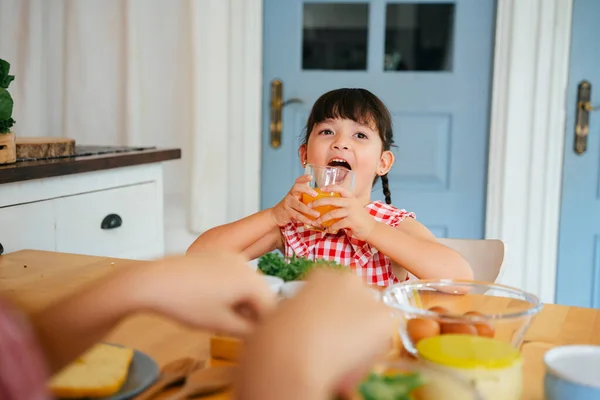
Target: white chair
485, 256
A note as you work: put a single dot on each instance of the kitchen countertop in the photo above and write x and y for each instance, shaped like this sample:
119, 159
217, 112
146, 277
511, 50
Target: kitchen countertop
88, 159
34, 279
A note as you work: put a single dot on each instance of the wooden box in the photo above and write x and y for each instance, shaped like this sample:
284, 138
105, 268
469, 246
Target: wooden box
8, 153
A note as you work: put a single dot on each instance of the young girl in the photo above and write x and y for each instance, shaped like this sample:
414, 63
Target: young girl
350, 128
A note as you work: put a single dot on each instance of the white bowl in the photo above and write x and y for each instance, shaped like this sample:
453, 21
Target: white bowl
274, 282
253, 264
572, 372
289, 289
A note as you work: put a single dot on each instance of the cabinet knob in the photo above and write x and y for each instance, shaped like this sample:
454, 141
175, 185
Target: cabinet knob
1, 249
111, 221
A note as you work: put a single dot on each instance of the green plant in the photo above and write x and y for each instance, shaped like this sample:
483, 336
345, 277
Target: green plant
6, 101
390, 387
291, 269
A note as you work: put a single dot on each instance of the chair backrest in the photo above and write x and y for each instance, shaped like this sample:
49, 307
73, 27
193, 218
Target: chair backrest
485, 256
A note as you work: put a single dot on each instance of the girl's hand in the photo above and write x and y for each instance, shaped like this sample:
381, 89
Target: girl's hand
291, 207
350, 212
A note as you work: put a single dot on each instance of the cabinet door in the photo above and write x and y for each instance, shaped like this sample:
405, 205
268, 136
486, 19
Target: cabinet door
27, 227
110, 222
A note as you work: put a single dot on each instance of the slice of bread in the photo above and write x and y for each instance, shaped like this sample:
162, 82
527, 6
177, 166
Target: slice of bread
99, 372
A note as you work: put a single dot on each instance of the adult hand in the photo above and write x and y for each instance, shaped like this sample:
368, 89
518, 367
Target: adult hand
312, 343
209, 290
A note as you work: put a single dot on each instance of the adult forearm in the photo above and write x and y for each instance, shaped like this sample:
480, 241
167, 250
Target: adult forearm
271, 370
69, 327
236, 236
276, 383
424, 258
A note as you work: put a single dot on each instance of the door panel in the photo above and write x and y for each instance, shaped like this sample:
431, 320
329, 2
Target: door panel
578, 275
428, 168
429, 62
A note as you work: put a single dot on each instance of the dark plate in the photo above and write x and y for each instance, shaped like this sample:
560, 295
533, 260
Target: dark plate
143, 371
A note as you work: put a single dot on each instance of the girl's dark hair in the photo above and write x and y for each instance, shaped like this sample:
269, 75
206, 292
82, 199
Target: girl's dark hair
360, 106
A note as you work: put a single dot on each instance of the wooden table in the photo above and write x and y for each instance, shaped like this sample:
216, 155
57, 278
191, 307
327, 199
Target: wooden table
32, 279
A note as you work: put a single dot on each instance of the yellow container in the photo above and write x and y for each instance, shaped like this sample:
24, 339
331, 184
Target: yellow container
494, 367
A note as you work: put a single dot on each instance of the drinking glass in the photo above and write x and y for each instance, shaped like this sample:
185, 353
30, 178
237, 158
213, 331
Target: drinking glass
323, 176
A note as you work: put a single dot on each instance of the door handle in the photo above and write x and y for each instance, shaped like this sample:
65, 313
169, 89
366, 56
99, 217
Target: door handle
587, 106
277, 104
582, 116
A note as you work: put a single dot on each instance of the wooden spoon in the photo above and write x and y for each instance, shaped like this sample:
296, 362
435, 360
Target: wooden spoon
205, 381
171, 373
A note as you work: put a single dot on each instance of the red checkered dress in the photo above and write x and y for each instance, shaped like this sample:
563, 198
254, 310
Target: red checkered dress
364, 259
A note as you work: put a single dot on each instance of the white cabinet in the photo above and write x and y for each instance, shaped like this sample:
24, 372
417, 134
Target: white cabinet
113, 213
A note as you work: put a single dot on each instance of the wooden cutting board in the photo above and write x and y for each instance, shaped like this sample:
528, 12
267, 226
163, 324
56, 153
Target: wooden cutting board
43, 147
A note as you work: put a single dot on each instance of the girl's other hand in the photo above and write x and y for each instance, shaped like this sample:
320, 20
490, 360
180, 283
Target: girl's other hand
349, 211
291, 207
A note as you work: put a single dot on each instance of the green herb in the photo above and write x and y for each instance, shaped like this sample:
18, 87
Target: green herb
292, 269
390, 387
6, 124
6, 101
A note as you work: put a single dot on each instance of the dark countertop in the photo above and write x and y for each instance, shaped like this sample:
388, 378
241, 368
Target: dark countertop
85, 161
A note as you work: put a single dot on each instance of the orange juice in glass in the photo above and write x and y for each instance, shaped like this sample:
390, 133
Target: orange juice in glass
323, 176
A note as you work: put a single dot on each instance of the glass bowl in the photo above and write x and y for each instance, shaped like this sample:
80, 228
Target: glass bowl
426, 308
438, 384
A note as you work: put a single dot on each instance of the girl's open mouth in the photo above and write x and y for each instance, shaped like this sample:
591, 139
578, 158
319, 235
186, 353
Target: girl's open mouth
339, 162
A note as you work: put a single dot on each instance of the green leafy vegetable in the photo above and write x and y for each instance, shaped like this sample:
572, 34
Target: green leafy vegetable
5, 125
6, 101
390, 387
6, 104
5, 78
291, 269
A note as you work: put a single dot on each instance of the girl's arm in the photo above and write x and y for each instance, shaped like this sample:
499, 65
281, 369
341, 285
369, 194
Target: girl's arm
259, 233
412, 246
252, 236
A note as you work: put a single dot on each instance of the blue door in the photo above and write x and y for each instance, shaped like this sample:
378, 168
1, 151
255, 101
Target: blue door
578, 275
429, 61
